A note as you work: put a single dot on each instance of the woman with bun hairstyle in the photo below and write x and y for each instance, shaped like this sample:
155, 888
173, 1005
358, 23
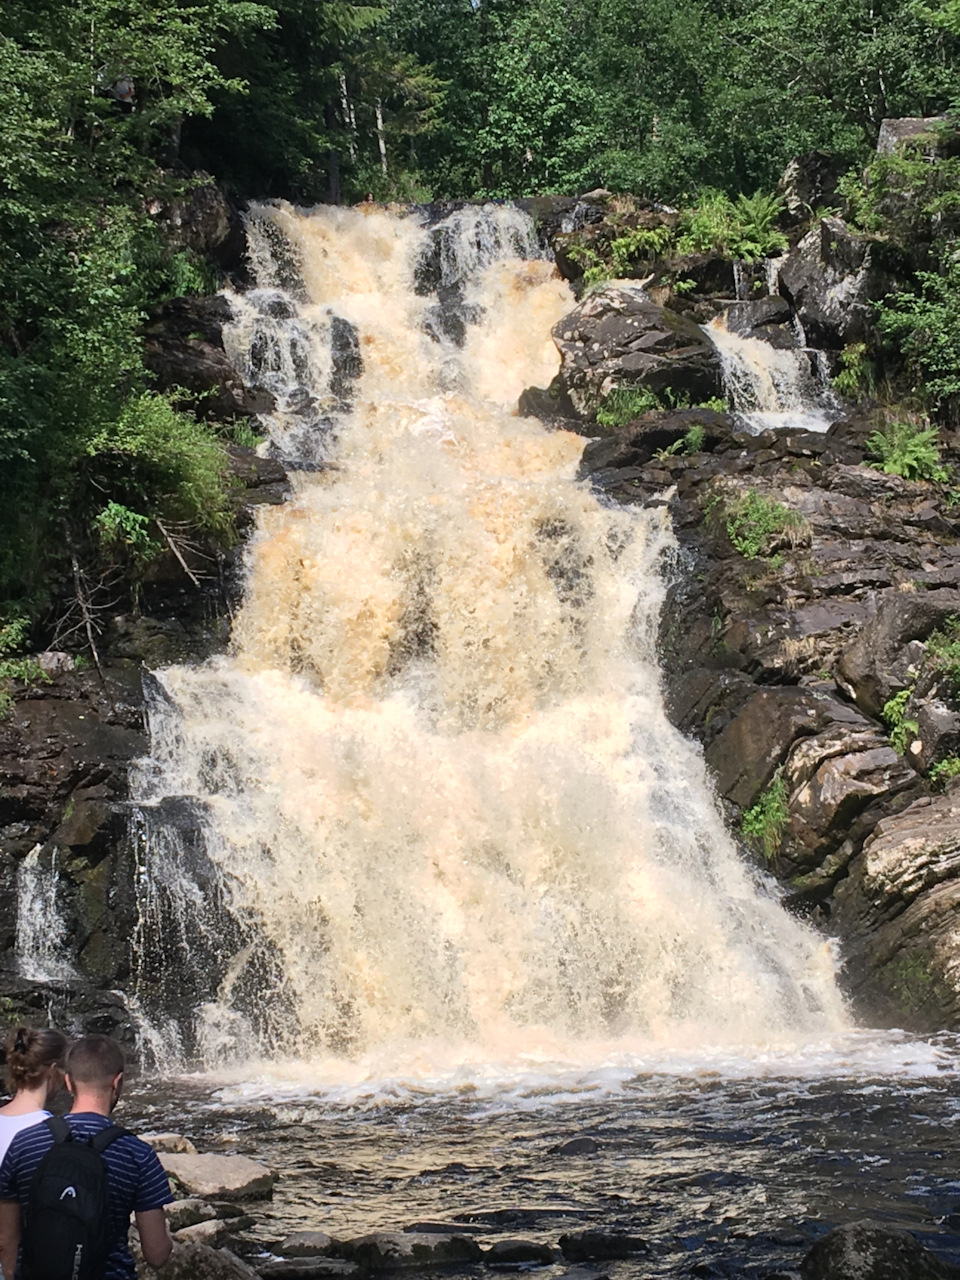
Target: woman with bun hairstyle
34, 1074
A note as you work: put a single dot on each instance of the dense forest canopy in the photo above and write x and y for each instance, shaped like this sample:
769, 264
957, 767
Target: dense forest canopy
108, 107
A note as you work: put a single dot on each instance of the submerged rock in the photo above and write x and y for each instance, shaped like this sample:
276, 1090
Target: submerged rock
584, 1146
873, 1251
515, 1253
398, 1250
306, 1268
589, 1246
211, 1176
172, 1143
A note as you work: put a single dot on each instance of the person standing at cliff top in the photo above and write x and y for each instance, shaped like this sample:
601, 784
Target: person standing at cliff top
136, 1182
34, 1074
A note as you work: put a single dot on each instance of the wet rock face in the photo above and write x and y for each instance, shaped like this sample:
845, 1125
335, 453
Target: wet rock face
618, 337
900, 904
780, 662
184, 348
873, 1251
882, 660
831, 280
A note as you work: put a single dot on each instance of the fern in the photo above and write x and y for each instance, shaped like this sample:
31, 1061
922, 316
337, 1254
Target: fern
908, 450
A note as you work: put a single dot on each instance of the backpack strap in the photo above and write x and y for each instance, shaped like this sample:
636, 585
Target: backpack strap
100, 1141
60, 1129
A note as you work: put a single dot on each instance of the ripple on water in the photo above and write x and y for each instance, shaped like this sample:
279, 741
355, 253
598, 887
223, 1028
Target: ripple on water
739, 1161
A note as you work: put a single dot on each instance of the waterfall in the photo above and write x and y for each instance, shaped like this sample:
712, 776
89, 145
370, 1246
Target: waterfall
429, 809
40, 949
768, 386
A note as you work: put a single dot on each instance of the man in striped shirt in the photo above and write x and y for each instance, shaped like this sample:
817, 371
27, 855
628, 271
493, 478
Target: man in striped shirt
137, 1182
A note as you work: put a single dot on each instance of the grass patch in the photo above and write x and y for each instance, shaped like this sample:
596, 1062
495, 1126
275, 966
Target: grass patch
765, 822
756, 525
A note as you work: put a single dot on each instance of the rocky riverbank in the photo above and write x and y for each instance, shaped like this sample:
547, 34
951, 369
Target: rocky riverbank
211, 1226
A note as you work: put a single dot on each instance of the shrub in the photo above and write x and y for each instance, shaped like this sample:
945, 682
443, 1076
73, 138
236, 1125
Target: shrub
906, 449
744, 228
765, 823
901, 729
857, 375
756, 524
156, 457
943, 646
623, 404
924, 324
943, 770
643, 243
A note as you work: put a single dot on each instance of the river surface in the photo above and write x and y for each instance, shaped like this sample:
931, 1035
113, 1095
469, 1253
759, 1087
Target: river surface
732, 1167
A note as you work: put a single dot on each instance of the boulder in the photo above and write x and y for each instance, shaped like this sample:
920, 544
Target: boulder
397, 1250
207, 1177
878, 663
577, 1147
202, 219
896, 911
187, 1213
873, 1251
589, 1246
831, 280
768, 319
619, 338
938, 731
306, 1244
198, 1262
515, 1253
635, 445
212, 1232
183, 348
808, 182
831, 778
896, 133
172, 1143
745, 756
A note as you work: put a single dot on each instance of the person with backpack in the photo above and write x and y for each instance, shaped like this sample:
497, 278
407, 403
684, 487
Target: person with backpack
69, 1185
34, 1074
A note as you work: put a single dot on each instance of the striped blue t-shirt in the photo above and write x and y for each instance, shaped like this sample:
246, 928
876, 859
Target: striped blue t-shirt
135, 1176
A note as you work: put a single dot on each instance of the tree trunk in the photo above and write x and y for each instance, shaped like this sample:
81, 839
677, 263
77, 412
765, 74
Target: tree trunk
381, 140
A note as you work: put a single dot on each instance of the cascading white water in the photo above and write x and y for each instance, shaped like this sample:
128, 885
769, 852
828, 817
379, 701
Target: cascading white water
40, 948
774, 386
430, 810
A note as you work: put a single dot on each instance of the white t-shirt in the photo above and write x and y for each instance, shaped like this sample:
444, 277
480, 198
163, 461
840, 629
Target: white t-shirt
10, 1126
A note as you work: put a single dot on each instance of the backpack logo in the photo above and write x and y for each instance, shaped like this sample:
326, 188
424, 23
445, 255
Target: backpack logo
68, 1191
